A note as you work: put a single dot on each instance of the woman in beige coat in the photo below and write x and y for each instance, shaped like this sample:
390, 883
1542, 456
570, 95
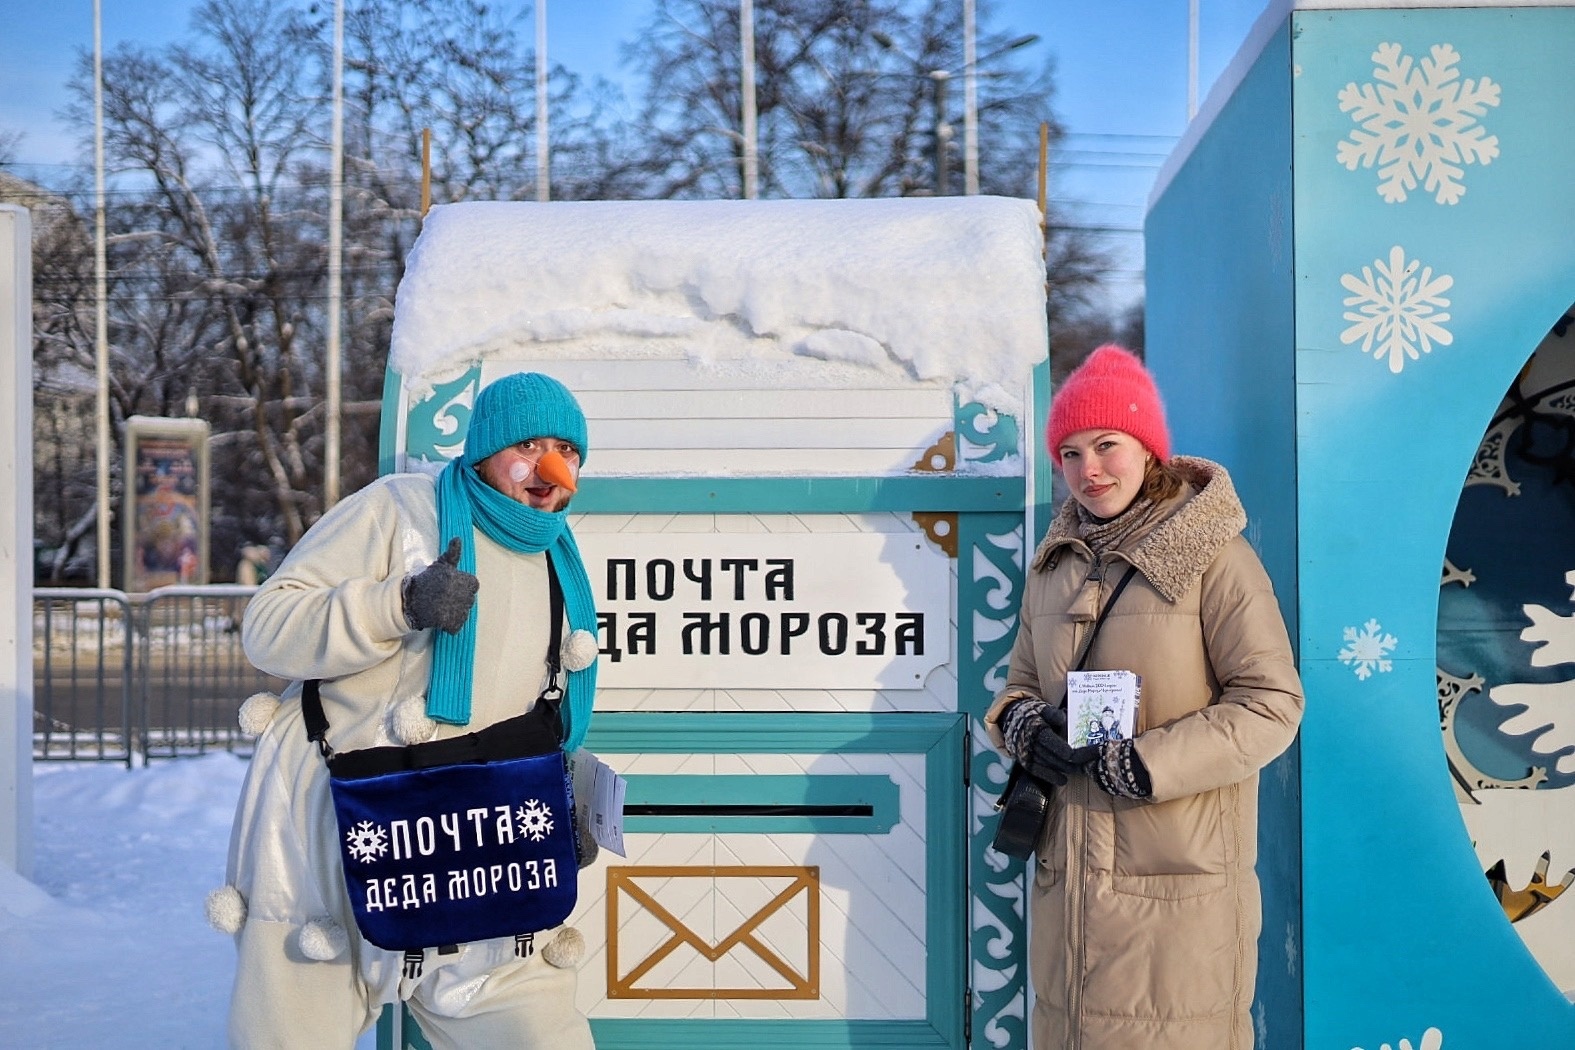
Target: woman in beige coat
1144, 908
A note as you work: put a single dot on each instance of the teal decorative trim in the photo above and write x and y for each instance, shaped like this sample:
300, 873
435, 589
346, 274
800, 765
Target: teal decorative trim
692, 732
388, 433
435, 426
991, 545
878, 796
409, 1029
993, 434
799, 495
1043, 466
946, 887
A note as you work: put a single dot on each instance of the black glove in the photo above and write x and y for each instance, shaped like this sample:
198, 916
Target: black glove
440, 595
1048, 756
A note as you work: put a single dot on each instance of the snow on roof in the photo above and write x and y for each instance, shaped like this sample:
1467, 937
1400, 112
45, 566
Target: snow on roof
931, 289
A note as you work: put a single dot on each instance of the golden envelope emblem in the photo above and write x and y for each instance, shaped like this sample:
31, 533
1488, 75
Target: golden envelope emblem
736, 932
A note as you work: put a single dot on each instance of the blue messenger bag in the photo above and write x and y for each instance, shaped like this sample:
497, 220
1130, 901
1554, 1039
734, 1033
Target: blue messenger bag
462, 839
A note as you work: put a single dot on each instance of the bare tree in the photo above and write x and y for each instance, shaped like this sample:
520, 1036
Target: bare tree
217, 213
853, 101
218, 221
850, 97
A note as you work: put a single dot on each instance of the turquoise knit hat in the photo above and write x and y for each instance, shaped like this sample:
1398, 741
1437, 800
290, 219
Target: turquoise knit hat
519, 406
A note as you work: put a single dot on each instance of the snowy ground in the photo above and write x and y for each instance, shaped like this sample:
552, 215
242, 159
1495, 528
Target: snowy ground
108, 946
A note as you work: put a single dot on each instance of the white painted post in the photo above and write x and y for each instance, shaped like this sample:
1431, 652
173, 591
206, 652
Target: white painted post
16, 540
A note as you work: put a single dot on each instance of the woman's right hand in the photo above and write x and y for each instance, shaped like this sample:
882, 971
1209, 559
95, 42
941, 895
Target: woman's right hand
1037, 737
1048, 756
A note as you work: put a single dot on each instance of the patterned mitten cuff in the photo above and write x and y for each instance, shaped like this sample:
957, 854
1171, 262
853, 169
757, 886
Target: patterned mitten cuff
1119, 771
1020, 722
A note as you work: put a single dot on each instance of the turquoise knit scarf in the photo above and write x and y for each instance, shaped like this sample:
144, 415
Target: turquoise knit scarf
465, 503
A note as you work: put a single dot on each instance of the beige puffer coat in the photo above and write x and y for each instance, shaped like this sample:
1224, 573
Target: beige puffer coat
1144, 915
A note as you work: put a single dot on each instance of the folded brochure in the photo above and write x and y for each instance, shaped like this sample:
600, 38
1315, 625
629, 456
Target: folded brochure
1101, 705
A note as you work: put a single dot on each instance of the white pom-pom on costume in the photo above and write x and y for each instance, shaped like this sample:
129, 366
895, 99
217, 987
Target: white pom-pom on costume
566, 949
257, 712
323, 940
579, 650
409, 722
226, 909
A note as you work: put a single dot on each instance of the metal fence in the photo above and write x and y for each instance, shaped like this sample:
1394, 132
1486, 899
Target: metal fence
118, 677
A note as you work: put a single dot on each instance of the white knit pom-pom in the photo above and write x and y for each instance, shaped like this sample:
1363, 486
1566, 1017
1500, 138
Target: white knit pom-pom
257, 712
226, 909
409, 723
566, 949
323, 940
579, 650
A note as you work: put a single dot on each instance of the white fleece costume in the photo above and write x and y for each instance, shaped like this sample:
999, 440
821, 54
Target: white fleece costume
334, 612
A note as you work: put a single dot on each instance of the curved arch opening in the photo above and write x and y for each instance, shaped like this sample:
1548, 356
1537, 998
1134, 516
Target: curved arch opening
1506, 653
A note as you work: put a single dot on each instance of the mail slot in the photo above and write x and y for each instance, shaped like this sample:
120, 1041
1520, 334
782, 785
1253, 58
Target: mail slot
826, 805
683, 810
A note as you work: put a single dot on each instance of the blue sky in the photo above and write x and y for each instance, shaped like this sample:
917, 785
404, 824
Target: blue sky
1121, 80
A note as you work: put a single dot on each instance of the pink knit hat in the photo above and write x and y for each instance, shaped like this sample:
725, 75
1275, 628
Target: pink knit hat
1111, 389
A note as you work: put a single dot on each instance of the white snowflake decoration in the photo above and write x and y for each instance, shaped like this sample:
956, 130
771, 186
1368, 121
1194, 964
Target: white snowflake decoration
1395, 310
366, 841
1368, 650
1432, 1039
535, 820
1543, 708
1418, 122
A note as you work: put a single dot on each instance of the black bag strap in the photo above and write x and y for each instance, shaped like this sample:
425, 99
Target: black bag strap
1099, 621
472, 745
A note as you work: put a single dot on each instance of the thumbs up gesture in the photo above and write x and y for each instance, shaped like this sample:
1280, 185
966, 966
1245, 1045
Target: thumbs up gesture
440, 595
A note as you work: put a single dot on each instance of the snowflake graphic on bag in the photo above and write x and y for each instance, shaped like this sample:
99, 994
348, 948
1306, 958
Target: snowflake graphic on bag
1369, 650
1418, 123
366, 842
1398, 311
535, 820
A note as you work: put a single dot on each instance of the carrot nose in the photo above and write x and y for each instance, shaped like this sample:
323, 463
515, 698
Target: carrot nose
554, 468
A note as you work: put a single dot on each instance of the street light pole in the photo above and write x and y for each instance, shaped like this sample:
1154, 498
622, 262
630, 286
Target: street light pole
100, 287
1192, 59
970, 103
746, 43
938, 79
943, 131
543, 158
336, 197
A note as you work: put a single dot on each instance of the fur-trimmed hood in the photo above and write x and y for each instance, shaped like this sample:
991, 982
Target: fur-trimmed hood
1187, 533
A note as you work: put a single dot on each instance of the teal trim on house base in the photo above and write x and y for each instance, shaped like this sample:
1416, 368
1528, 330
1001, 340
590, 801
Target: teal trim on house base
635, 1034
935, 493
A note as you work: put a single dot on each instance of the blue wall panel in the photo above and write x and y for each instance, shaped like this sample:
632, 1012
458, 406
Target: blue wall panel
1221, 343
1402, 932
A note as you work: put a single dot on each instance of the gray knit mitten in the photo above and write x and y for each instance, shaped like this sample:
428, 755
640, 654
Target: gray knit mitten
440, 595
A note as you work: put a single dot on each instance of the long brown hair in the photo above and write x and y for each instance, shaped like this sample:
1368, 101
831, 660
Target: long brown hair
1161, 481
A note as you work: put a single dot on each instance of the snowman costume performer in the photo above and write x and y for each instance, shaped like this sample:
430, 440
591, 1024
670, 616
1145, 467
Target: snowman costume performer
421, 605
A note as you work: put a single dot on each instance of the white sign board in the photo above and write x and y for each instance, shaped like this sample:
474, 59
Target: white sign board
768, 610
